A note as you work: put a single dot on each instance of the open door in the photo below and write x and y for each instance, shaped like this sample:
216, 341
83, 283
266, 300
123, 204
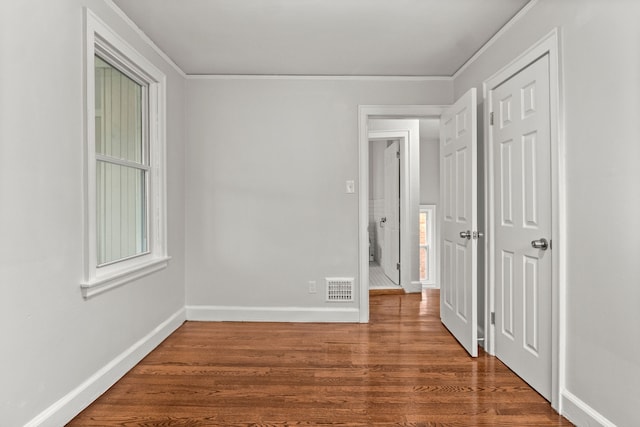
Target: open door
391, 251
459, 241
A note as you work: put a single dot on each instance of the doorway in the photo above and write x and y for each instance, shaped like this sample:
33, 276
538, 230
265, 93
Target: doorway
417, 141
385, 199
409, 205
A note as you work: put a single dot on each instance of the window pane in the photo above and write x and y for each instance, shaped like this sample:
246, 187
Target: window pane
424, 264
423, 228
119, 131
121, 212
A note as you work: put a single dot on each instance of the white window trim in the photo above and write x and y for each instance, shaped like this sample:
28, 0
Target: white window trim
100, 279
432, 282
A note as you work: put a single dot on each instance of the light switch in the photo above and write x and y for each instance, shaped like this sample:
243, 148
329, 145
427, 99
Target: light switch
351, 186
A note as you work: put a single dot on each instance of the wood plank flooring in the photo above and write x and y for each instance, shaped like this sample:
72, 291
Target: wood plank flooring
379, 291
403, 368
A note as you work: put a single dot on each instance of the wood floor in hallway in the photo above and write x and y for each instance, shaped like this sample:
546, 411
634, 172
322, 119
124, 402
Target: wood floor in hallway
403, 368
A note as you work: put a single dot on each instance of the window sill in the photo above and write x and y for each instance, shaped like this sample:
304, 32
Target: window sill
102, 284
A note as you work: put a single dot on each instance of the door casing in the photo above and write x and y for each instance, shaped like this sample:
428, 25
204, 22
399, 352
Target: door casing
365, 113
547, 45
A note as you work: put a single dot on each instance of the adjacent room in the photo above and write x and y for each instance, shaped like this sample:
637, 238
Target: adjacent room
391, 187
286, 212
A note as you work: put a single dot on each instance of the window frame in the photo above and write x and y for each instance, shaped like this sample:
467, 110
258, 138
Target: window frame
144, 164
430, 210
109, 46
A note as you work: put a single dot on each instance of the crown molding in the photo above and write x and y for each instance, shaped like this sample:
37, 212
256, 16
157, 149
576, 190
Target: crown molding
315, 77
506, 27
144, 37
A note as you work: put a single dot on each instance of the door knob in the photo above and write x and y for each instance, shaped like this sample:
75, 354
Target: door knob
540, 244
465, 234
382, 221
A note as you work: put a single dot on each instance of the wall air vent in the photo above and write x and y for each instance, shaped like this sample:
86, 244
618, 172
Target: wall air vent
339, 289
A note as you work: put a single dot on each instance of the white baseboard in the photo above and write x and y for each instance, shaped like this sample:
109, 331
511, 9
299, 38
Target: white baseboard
413, 287
430, 286
581, 414
212, 313
482, 338
83, 395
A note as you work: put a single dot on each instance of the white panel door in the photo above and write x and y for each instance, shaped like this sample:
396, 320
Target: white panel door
521, 153
459, 244
391, 249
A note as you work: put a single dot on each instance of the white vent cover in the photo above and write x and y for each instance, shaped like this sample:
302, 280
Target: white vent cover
339, 289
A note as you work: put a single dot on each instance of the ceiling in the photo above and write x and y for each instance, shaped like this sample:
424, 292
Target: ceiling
321, 37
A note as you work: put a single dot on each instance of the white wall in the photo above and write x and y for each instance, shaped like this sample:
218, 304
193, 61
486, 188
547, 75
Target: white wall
52, 339
600, 41
376, 195
429, 161
266, 203
376, 169
376, 164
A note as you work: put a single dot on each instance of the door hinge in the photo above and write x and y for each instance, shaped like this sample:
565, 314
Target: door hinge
491, 118
398, 266
492, 318
397, 154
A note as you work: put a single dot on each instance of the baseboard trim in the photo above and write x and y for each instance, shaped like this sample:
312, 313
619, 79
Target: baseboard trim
413, 287
211, 313
70, 405
430, 286
481, 337
581, 414
386, 291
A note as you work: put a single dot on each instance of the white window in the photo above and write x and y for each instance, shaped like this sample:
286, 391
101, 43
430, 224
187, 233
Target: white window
427, 239
125, 212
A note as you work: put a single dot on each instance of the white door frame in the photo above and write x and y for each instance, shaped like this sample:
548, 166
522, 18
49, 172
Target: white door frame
366, 112
405, 242
547, 45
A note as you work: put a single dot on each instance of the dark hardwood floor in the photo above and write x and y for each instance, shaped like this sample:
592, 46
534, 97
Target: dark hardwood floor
403, 368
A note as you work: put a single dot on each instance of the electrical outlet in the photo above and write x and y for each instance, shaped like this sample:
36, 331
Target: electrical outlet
312, 287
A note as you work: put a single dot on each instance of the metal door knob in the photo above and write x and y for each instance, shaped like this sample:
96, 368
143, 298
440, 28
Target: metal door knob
540, 244
465, 234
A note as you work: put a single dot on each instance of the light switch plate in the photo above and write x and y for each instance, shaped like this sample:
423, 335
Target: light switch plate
351, 186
